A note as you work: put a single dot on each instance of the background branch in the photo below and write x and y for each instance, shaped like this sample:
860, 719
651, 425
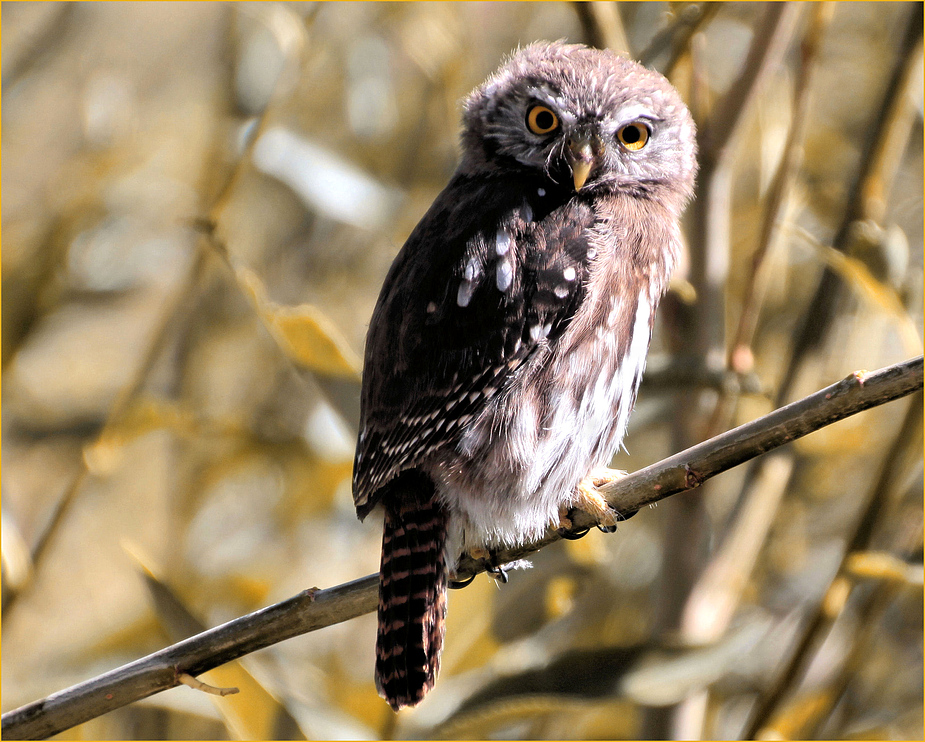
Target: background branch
700, 325
823, 618
889, 129
314, 609
177, 308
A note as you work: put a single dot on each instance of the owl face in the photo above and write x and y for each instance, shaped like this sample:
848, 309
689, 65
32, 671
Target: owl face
584, 117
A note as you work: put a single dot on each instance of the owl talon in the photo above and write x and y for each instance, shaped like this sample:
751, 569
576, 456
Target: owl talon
460, 584
565, 526
499, 573
606, 529
572, 535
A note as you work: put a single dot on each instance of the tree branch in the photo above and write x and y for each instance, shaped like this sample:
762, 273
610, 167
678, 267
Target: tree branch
314, 609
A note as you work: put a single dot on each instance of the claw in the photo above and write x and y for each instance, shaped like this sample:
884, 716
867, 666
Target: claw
606, 529
483, 555
459, 585
572, 535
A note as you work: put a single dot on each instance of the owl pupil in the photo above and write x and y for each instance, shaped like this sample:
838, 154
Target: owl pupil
545, 120
631, 134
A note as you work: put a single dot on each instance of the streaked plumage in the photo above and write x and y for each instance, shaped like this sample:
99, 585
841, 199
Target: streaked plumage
509, 339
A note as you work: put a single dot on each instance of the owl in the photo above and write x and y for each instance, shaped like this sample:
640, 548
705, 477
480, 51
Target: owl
507, 345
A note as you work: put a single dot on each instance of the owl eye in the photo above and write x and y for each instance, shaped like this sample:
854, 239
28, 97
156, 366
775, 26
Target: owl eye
542, 120
633, 136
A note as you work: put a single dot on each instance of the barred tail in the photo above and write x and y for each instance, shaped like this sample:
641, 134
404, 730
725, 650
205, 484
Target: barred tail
412, 591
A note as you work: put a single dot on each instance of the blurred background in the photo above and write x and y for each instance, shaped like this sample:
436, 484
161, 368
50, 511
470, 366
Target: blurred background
200, 202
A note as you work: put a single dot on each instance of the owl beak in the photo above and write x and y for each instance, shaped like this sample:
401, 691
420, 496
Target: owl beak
582, 160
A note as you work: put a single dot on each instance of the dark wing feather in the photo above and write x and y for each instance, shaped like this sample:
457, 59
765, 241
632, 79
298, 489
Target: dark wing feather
452, 323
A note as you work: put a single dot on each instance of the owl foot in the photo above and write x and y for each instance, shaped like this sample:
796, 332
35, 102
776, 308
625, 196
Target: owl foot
480, 555
565, 525
495, 570
592, 502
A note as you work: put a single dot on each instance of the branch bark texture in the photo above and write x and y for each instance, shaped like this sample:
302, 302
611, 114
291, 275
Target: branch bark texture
314, 609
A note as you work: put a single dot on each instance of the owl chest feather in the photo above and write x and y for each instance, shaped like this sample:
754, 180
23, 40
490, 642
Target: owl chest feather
565, 411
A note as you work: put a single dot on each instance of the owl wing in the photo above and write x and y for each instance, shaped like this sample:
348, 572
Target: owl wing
494, 271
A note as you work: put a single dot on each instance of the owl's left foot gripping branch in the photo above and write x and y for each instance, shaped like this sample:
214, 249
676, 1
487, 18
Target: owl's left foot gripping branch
497, 571
589, 500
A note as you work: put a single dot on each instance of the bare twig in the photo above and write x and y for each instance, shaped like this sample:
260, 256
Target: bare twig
315, 609
781, 185
869, 193
196, 684
678, 35
713, 599
710, 213
41, 43
307, 611
700, 326
602, 25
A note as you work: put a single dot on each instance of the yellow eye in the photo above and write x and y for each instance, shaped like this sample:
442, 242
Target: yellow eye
542, 120
633, 136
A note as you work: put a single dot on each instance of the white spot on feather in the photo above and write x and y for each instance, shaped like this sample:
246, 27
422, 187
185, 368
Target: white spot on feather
502, 242
569, 274
464, 294
504, 275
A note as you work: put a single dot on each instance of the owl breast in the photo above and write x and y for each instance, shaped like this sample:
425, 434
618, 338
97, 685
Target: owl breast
563, 412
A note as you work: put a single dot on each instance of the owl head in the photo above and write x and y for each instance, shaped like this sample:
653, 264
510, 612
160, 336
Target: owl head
585, 118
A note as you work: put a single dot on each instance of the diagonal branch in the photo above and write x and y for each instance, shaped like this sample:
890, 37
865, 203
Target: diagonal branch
314, 609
